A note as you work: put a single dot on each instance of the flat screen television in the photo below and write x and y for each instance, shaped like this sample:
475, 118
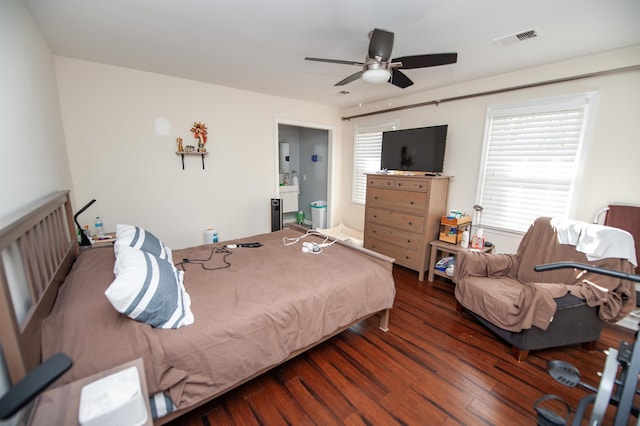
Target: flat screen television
414, 150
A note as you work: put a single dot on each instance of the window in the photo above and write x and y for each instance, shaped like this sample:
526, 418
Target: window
366, 156
531, 160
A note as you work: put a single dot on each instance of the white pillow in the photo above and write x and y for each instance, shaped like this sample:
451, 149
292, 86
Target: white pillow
136, 237
149, 289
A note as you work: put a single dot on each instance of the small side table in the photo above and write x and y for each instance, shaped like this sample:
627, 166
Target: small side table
60, 406
108, 241
440, 249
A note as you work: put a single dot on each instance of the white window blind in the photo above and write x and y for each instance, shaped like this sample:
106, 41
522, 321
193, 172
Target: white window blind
531, 160
366, 156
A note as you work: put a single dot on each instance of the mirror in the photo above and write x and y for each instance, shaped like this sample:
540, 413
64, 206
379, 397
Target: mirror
284, 157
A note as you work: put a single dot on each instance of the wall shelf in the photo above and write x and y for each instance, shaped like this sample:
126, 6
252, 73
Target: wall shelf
183, 153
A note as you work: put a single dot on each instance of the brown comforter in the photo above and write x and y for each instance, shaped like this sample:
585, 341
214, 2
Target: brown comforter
271, 301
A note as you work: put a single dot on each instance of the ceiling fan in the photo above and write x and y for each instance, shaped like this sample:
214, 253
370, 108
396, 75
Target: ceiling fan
377, 68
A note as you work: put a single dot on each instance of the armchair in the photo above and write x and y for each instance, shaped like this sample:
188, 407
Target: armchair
535, 310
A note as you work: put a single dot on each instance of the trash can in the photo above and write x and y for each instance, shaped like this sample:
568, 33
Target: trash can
318, 214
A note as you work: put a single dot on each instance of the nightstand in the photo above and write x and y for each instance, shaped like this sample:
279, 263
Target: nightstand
60, 406
105, 242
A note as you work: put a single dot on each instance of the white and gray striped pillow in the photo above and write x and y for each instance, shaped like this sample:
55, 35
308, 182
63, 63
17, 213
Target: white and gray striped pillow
136, 237
161, 405
149, 289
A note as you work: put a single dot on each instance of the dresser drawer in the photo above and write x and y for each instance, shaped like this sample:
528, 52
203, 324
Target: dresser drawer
413, 185
381, 182
394, 236
403, 256
405, 201
396, 219
391, 182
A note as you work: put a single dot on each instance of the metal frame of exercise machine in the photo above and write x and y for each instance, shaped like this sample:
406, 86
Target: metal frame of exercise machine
619, 382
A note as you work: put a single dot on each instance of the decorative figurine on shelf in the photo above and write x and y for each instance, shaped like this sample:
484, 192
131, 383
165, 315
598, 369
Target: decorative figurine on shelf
180, 148
189, 148
200, 132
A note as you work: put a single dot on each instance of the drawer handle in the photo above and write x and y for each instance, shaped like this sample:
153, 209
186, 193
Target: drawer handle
406, 257
409, 241
399, 183
410, 223
375, 216
373, 232
420, 186
411, 202
388, 183
376, 197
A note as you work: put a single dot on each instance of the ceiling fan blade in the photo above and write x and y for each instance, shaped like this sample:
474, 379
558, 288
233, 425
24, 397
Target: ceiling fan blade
423, 61
399, 79
381, 44
335, 61
349, 79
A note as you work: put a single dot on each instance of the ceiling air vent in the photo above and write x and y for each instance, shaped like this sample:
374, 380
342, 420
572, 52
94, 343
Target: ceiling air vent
521, 36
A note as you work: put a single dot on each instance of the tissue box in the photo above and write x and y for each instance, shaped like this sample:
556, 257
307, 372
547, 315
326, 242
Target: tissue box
113, 400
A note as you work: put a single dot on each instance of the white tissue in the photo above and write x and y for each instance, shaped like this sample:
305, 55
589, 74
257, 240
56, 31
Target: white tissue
115, 399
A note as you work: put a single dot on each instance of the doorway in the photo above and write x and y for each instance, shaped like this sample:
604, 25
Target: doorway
308, 164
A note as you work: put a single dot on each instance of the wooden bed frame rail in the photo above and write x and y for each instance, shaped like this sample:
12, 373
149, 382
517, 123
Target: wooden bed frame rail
38, 246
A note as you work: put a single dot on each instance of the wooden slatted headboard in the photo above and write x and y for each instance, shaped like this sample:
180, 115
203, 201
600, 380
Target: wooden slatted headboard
38, 246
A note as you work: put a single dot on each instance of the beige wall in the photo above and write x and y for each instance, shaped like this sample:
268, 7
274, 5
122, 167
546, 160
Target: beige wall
109, 114
134, 174
610, 173
33, 159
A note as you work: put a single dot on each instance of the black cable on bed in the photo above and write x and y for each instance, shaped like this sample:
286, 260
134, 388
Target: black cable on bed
202, 262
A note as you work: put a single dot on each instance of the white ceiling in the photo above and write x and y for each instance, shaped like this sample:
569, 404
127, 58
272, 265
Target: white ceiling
260, 45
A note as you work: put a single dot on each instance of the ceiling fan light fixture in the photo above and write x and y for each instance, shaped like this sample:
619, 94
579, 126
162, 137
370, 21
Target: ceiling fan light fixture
379, 67
376, 76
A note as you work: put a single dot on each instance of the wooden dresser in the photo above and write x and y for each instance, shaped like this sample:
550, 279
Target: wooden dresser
402, 217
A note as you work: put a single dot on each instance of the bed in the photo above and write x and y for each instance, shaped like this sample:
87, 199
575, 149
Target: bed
270, 304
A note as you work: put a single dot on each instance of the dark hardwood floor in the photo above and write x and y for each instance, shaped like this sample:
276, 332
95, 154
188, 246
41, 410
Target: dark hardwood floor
434, 366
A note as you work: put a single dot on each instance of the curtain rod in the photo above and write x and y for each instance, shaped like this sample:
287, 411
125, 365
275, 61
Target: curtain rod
493, 92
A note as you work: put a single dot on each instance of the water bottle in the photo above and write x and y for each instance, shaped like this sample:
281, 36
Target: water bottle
99, 230
464, 243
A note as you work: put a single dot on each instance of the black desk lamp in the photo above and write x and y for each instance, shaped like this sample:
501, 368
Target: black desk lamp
84, 239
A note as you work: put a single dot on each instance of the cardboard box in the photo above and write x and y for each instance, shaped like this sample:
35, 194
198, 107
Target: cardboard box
451, 229
464, 220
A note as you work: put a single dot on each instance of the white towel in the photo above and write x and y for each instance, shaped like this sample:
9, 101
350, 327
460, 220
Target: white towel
596, 241
568, 231
600, 242
295, 182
